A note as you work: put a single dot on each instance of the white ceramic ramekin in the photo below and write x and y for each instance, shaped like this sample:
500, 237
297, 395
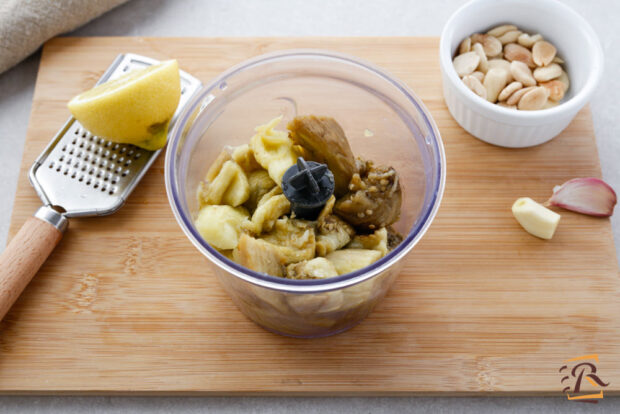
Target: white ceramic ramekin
575, 41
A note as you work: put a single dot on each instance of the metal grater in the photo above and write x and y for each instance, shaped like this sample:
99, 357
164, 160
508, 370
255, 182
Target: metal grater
77, 175
84, 175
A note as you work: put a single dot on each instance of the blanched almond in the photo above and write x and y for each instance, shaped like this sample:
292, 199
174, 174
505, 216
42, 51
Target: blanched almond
509, 90
509, 37
558, 59
522, 73
483, 66
533, 100
500, 30
465, 46
494, 82
564, 79
478, 75
475, 85
466, 63
492, 46
543, 53
516, 97
547, 73
555, 89
514, 52
527, 40
501, 64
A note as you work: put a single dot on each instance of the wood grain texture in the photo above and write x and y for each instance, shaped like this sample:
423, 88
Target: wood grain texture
125, 304
23, 257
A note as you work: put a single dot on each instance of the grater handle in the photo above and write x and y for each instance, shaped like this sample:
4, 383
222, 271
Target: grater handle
25, 254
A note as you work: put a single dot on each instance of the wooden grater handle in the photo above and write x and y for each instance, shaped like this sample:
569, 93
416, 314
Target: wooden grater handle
25, 254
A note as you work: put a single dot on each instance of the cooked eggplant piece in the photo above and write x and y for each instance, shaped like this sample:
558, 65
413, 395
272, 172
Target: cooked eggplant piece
376, 241
350, 260
244, 156
270, 207
220, 226
394, 238
294, 239
325, 142
260, 184
259, 255
327, 209
374, 197
333, 234
273, 149
317, 268
316, 303
230, 186
215, 168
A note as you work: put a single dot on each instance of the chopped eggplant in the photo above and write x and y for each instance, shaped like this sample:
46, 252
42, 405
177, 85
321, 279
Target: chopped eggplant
273, 149
350, 260
230, 186
376, 241
374, 198
333, 234
259, 255
269, 209
317, 268
244, 156
325, 142
221, 226
294, 239
260, 184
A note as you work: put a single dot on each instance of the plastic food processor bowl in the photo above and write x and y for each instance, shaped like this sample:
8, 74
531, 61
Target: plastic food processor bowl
384, 122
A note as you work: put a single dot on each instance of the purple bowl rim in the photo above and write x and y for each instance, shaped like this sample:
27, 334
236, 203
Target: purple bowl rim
304, 285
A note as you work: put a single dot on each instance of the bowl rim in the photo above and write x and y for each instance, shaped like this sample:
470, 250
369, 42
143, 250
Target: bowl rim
510, 116
312, 285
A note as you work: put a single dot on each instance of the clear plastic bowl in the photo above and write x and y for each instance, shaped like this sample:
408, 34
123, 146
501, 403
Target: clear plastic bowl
384, 121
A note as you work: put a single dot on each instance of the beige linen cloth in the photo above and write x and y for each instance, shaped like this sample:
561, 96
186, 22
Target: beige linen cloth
26, 24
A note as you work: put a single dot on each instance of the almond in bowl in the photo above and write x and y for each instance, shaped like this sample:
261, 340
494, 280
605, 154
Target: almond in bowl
512, 68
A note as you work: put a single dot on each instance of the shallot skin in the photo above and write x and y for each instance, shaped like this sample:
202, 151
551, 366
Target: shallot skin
590, 195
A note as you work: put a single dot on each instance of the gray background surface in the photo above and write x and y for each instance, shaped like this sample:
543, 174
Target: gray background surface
295, 18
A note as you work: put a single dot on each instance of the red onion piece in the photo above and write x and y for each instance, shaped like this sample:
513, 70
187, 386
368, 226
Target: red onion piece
590, 196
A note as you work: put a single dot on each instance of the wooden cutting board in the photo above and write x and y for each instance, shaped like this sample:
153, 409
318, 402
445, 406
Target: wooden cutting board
127, 305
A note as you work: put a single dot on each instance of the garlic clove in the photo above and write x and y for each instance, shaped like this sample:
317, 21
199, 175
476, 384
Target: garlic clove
591, 196
535, 218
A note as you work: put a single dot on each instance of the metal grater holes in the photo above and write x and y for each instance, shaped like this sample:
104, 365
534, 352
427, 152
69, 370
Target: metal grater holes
94, 161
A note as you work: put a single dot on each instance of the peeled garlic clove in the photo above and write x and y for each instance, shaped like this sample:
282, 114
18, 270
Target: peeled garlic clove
466, 63
543, 53
590, 196
535, 218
